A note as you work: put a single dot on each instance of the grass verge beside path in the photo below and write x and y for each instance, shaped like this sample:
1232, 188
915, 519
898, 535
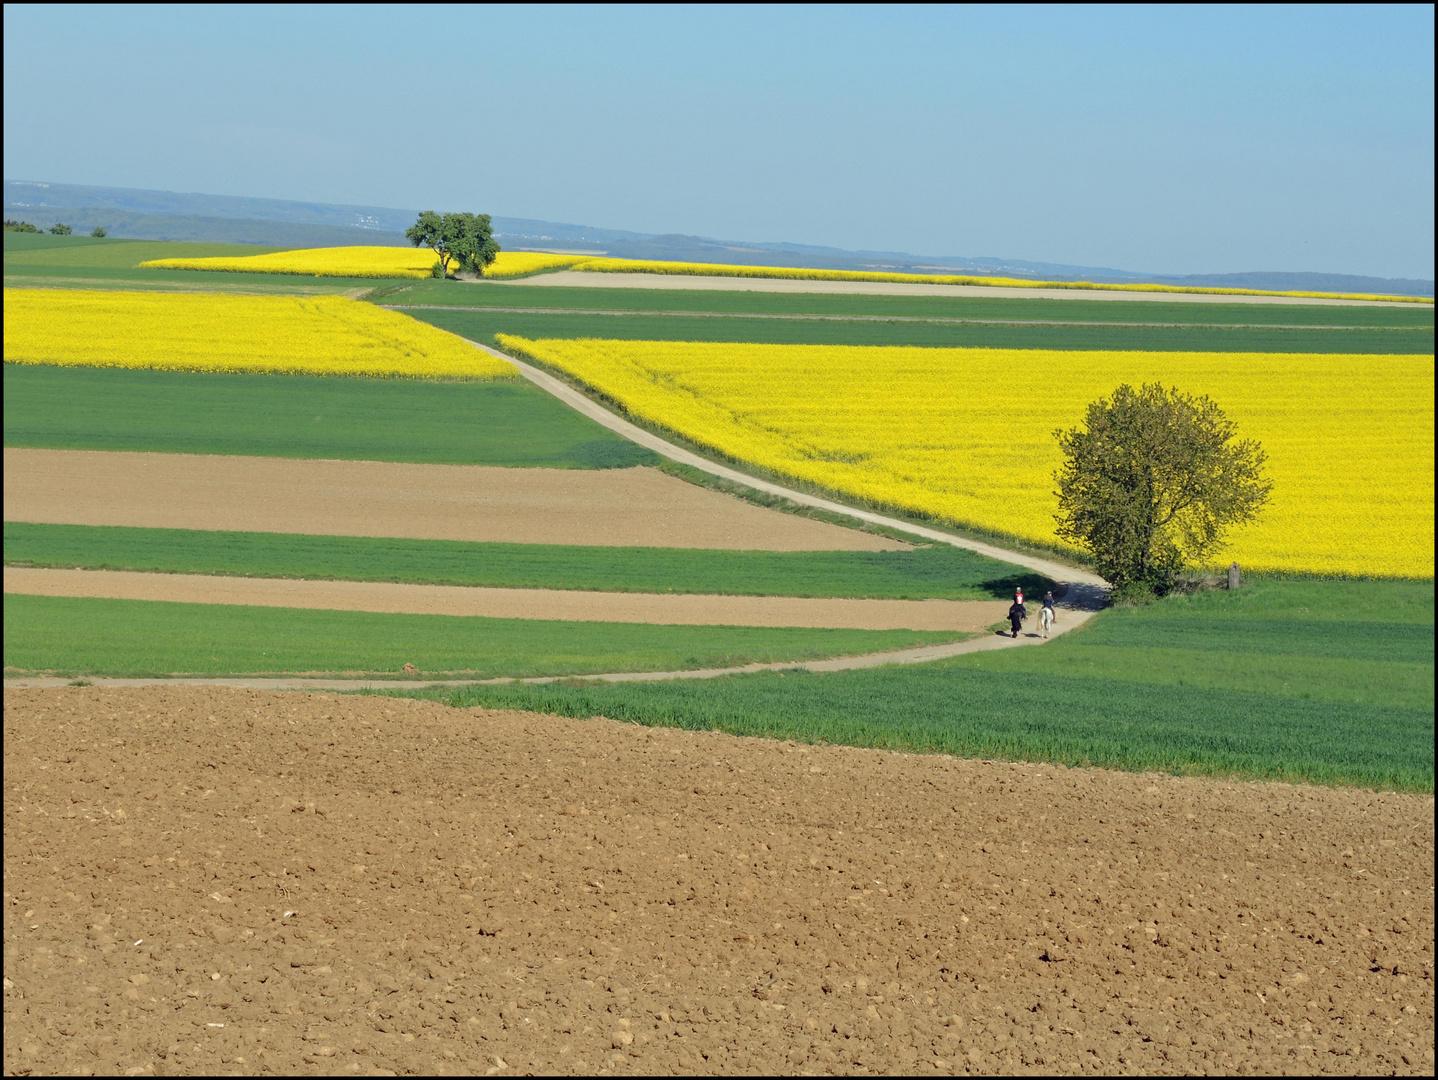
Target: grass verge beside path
1248, 683
479, 325
296, 416
471, 295
142, 638
938, 572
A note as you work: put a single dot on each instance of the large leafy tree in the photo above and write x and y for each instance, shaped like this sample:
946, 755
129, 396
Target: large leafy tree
464, 241
1152, 480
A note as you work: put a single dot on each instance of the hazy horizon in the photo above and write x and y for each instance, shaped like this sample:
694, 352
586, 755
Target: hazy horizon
1163, 141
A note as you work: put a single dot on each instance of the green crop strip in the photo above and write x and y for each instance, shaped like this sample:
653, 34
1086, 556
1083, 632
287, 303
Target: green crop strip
67, 251
481, 295
483, 325
83, 636
295, 416
84, 263
937, 572
1249, 684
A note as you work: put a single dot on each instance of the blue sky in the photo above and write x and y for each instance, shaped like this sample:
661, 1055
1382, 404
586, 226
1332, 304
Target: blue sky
1163, 140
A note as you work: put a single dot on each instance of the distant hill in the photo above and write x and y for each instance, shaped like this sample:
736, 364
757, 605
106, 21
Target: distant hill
1306, 283
125, 224
167, 215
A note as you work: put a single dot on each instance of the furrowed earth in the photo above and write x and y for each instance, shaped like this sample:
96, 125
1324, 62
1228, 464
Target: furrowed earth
202, 880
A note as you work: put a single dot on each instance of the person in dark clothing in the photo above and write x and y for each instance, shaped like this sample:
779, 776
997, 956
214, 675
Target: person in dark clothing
1048, 614
1017, 614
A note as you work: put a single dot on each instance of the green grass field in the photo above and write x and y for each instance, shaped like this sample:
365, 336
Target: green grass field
470, 423
1359, 642
41, 249
481, 325
43, 261
1328, 682
936, 572
82, 636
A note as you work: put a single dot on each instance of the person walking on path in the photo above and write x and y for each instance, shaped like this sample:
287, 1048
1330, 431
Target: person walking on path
1017, 614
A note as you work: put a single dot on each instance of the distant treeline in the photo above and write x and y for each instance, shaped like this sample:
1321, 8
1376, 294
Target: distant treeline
218, 230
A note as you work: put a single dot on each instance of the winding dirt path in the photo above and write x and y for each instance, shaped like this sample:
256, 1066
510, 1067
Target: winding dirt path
1086, 590
923, 655
1069, 620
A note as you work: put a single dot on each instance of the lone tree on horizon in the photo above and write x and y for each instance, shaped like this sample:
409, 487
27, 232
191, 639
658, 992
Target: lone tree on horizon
466, 240
1152, 480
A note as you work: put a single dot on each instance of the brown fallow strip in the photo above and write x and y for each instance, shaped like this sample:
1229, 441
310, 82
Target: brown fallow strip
640, 507
679, 609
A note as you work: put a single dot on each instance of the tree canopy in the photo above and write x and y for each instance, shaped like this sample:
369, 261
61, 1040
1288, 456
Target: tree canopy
60, 229
464, 240
1152, 480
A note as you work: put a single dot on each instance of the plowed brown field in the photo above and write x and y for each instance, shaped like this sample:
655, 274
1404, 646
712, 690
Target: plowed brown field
207, 880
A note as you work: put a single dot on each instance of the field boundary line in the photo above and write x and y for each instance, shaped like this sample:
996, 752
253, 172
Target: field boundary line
924, 654
1086, 590
510, 602
794, 317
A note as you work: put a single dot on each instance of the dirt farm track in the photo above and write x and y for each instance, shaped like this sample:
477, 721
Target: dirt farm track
205, 880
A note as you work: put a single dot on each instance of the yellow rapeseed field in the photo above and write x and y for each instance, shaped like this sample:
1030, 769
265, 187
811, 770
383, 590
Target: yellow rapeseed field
514, 263
966, 434
361, 262
328, 335
393, 262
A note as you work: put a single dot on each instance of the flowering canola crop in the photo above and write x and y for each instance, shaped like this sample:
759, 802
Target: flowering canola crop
362, 262
392, 262
966, 434
328, 335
